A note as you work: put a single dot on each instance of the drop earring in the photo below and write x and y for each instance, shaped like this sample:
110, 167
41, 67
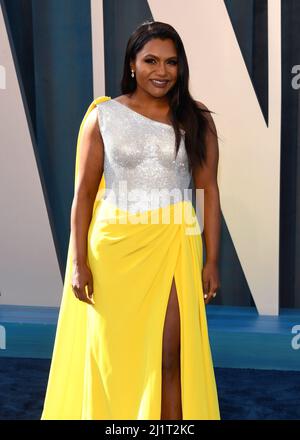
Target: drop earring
132, 74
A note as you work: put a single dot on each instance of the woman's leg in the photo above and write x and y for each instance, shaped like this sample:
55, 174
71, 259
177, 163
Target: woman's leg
171, 408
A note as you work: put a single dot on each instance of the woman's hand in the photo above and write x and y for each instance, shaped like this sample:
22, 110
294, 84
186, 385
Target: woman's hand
210, 281
82, 276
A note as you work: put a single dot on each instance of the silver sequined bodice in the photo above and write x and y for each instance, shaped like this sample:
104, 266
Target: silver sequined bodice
140, 168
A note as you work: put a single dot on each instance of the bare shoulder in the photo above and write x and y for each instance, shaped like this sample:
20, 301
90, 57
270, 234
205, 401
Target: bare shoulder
91, 156
91, 125
91, 141
206, 112
207, 115
206, 176
92, 118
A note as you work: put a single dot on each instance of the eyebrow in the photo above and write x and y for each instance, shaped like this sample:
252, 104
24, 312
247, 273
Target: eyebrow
150, 54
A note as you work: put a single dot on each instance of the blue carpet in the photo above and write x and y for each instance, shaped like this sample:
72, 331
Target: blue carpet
239, 337
244, 394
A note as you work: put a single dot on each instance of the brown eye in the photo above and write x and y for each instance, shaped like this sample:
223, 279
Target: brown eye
173, 62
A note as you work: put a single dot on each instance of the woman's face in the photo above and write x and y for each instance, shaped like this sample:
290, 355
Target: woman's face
157, 60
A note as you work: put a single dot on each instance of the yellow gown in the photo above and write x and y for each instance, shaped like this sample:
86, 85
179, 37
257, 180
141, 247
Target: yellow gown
107, 357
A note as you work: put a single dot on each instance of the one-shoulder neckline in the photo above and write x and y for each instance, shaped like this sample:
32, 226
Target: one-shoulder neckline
145, 117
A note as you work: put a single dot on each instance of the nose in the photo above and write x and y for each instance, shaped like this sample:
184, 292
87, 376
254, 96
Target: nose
161, 69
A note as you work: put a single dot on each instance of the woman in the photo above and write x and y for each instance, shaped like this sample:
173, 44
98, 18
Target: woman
131, 340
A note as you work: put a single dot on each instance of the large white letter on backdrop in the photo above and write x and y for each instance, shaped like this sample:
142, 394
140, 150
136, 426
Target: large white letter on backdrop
249, 171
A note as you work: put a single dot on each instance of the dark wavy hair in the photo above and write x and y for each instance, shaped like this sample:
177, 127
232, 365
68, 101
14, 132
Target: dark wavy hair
184, 109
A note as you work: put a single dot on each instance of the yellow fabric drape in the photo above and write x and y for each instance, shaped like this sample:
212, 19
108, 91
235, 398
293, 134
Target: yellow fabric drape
106, 362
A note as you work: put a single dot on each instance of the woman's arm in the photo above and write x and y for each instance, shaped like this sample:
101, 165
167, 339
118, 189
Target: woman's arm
89, 175
90, 170
206, 179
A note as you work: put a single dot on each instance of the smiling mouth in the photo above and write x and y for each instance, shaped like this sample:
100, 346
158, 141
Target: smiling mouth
159, 83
